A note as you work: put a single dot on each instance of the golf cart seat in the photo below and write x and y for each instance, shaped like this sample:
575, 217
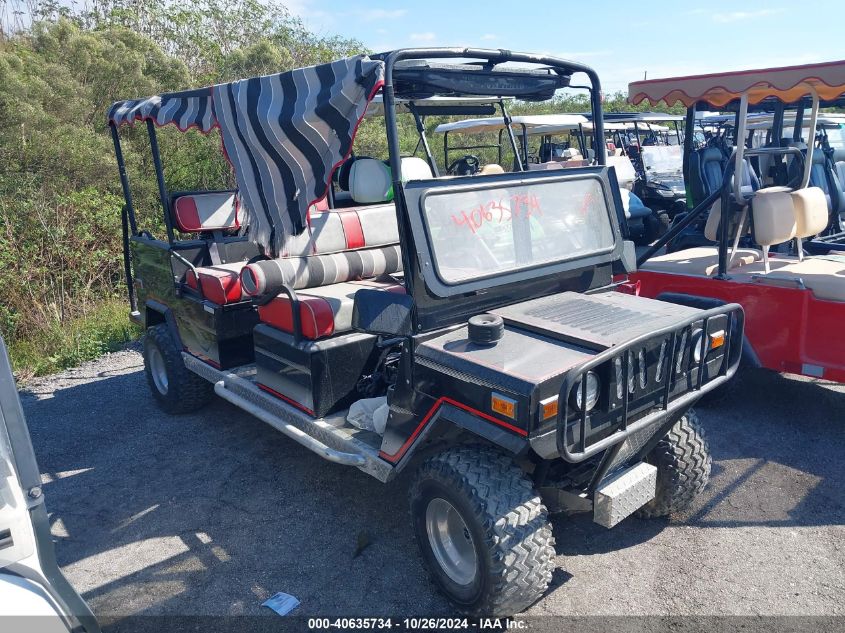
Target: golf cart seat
701, 261
822, 176
205, 211
839, 168
633, 206
341, 252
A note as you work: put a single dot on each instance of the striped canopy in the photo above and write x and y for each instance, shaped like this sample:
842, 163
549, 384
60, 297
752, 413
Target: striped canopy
283, 134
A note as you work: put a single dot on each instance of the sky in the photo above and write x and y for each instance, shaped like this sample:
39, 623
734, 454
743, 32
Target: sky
621, 40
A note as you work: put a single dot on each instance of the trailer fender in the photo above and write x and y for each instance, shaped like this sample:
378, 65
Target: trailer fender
156, 313
749, 356
501, 437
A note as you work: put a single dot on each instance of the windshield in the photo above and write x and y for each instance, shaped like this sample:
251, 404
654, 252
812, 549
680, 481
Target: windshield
662, 159
483, 232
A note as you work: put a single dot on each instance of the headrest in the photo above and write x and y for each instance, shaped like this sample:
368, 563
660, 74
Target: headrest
415, 168
774, 216
810, 211
712, 154
625, 173
370, 181
206, 211
570, 153
491, 168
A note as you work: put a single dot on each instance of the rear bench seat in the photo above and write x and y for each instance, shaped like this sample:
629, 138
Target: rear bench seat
325, 265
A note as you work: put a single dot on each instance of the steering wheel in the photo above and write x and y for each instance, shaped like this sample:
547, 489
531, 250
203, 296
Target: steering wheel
465, 166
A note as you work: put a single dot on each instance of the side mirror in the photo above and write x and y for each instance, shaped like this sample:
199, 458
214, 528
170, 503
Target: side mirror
382, 312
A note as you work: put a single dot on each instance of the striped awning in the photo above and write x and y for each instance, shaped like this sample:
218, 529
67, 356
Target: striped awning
283, 134
788, 84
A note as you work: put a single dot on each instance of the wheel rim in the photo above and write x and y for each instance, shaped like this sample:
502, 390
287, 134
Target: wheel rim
157, 369
451, 541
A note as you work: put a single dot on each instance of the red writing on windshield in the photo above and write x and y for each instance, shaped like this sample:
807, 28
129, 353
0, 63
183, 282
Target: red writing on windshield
499, 211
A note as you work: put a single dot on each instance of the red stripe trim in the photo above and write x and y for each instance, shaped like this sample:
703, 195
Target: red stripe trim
352, 229
440, 401
187, 214
291, 402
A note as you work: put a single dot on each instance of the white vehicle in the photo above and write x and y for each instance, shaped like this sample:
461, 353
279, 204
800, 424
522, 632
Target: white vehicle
34, 595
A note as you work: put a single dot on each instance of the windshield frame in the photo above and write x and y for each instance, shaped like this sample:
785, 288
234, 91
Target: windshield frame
417, 192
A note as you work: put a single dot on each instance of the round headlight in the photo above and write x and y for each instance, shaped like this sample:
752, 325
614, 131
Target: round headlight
592, 392
697, 345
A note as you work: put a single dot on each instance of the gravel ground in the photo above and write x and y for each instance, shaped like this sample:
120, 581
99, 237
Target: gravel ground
214, 512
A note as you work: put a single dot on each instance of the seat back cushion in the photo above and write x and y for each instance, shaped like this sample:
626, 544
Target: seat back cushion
491, 168
712, 168
370, 181
774, 216
711, 227
206, 211
268, 276
415, 168
840, 174
345, 229
811, 214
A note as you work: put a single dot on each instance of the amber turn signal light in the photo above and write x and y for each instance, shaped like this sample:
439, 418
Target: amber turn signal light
717, 339
548, 408
503, 406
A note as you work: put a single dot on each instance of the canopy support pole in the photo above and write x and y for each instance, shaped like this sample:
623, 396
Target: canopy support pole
739, 139
124, 178
811, 138
507, 120
162, 188
423, 139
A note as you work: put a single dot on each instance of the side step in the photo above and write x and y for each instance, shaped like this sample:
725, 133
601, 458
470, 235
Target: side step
317, 435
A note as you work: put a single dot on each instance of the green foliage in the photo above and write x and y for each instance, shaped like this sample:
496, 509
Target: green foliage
103, 328
61, 284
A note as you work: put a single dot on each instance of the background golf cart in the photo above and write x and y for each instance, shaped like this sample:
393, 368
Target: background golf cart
549, 141
392, 277
771, 125
34, 594
792, 303
653, 142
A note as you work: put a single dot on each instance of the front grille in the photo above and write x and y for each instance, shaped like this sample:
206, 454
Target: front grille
639, 378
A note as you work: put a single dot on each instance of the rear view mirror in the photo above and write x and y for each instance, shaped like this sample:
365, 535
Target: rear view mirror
382, 312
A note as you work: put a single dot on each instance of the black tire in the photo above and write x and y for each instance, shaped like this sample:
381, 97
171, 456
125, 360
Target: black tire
504, 521
182, 391
683, 464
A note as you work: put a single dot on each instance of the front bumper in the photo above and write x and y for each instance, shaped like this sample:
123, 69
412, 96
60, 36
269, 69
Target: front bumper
670, 402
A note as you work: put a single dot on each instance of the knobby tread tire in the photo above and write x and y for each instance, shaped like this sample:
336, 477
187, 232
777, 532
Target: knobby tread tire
683, 464
517, 535
186, 391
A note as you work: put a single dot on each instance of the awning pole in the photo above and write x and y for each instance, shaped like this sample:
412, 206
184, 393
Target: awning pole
811, 139
739, 139
162, 188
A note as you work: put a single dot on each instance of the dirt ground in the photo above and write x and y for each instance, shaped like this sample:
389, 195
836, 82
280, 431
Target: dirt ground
214, 512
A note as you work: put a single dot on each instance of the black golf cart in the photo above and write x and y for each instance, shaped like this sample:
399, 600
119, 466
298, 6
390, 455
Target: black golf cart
464, 329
